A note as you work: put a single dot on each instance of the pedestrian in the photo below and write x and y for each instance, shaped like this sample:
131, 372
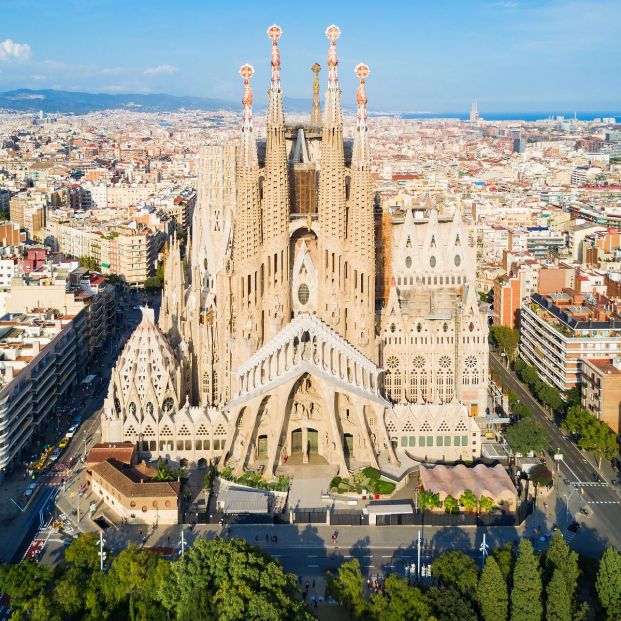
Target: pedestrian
300, 579
307, 585
140, 531
275, 538
313, 583
256, 538
267, 539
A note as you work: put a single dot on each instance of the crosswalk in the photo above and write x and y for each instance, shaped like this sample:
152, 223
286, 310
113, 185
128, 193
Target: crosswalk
569, 535
588, 484
604, 502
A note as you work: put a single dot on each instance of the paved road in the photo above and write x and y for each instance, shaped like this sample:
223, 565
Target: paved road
577, 467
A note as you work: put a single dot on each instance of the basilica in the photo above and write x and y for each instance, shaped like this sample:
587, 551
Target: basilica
274, 341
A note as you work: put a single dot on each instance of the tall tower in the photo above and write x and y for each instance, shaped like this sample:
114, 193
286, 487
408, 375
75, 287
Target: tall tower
474, 113
316, 108
247, 233
332, 200
361, 329
275, 207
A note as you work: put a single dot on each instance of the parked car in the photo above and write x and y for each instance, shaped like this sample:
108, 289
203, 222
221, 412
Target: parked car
63, 443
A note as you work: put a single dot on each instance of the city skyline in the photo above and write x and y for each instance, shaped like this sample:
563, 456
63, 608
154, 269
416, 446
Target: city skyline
553, 56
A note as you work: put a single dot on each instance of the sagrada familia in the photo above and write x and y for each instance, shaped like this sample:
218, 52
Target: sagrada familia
276, 336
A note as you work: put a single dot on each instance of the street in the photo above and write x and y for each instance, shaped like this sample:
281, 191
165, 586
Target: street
578, 468
86, 403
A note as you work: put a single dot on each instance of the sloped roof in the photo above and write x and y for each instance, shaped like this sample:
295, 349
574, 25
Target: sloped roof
481, 480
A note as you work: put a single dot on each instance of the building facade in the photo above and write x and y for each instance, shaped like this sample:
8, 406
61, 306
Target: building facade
560, 330
273, 343
601, 390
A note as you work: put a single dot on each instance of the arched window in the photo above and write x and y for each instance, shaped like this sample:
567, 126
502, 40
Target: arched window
444, 380
416, 376
396, 391
388, 384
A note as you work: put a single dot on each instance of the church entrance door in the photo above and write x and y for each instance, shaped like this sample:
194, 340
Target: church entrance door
296, 441
313, 442
262, 447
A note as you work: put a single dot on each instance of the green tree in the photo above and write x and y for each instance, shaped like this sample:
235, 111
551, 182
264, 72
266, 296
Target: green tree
228, 579
529, 375
526, 591
153, 283
24, 582
492, 592
83, 552
450, 605
134, 579
558, 602
573, 397
468, 501
527, 435
506, 339
400, 602
451, 505
576, 420
608, 583
522, 411
428, 500
486, 504
347, 588
600, 440
458, 570
505, 558
550, 397
560, 556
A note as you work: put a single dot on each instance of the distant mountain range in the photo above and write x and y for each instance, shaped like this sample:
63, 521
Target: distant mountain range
71, 102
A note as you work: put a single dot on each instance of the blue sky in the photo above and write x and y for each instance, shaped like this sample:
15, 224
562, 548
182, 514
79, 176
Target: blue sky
425, 55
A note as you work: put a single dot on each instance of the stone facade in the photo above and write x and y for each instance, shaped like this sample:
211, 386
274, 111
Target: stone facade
281, 346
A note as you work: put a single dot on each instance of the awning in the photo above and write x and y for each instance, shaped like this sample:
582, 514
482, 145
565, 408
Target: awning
389, 508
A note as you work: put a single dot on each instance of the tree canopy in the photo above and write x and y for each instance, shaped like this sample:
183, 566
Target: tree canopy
506, 339
526, 592
492, 592
527, 435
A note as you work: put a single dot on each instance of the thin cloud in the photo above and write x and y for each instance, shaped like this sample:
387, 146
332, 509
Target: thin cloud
160, 69
11, 50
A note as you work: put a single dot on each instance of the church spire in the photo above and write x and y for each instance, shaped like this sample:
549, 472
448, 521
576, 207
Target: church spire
360, 156
248, 232
275, 114
249, 145
332, 208
316, 109
276, 188
333, 115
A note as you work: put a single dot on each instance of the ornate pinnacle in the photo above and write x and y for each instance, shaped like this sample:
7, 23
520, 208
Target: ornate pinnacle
362, 71
246, 72
333, 33
274, 32
316, 109
316, 68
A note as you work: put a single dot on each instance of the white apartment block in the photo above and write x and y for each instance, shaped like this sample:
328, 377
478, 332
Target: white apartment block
559, 330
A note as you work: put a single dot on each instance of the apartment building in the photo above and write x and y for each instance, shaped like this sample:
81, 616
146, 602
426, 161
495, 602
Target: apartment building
129, 249
29, 211
37, 368
560, 330
601, 390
